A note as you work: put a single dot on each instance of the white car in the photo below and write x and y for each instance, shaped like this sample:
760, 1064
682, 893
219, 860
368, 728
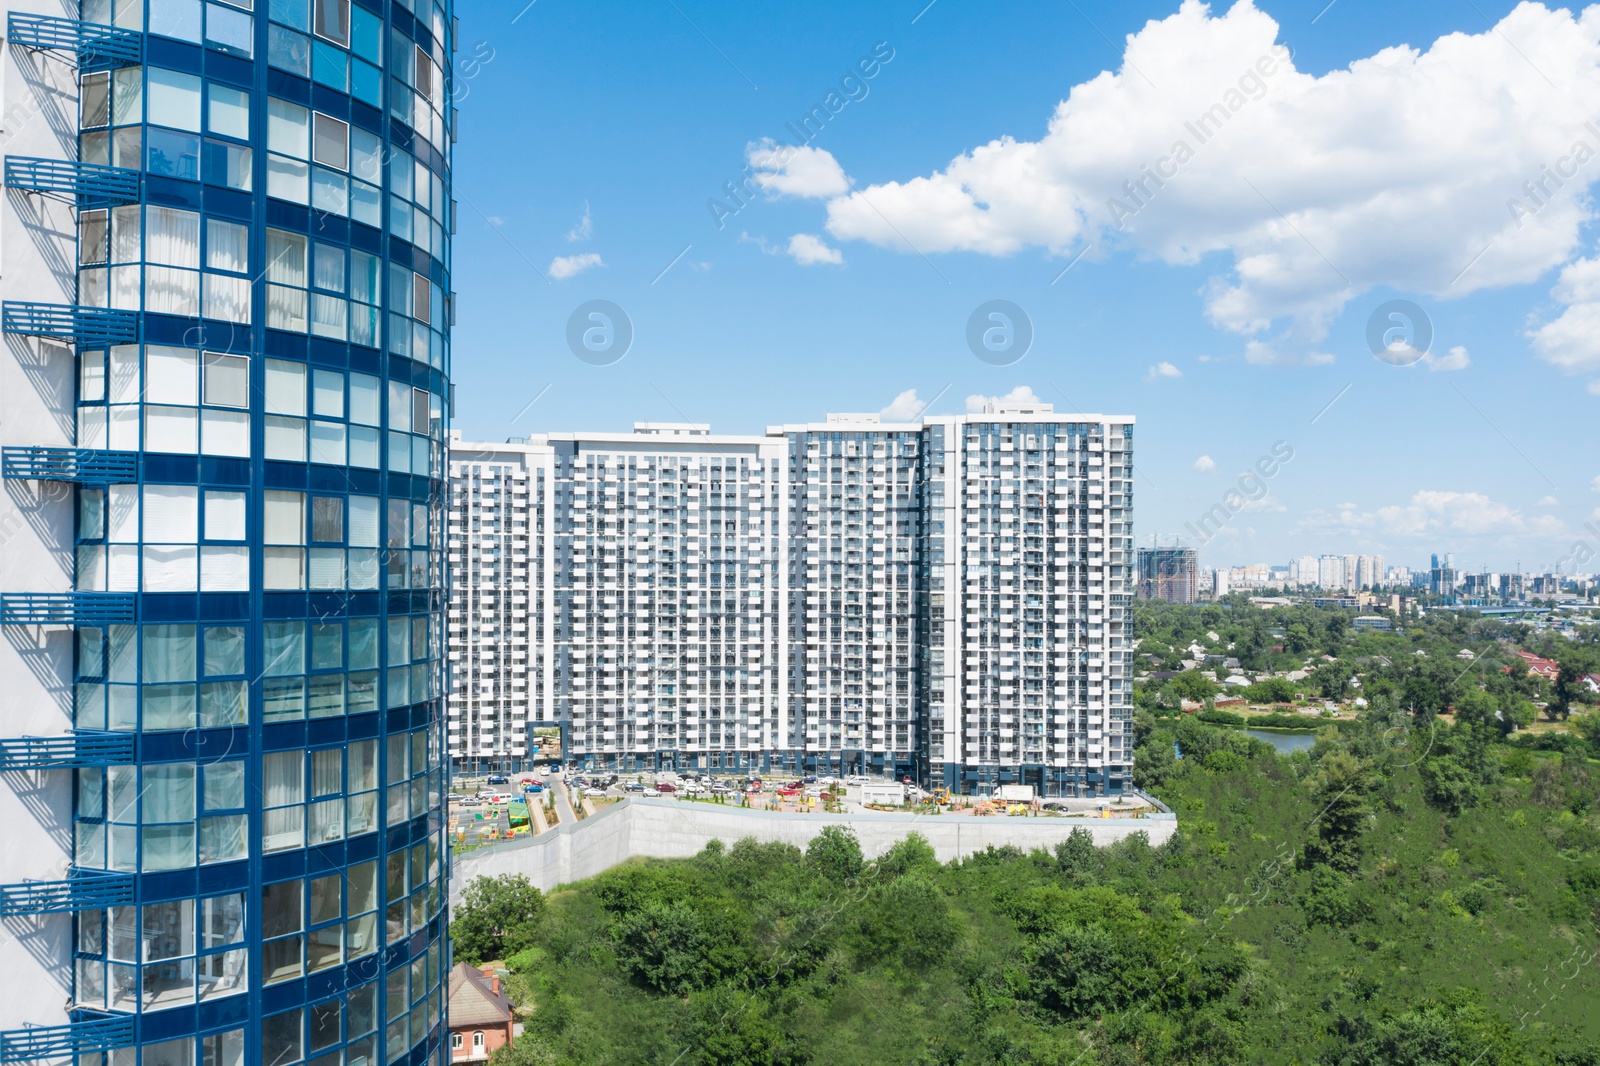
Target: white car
595, 793
544, 771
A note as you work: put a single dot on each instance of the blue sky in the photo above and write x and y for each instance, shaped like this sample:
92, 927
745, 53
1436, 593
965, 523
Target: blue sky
1227, 312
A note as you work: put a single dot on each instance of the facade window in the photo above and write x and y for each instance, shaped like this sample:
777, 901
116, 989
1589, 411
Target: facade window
164, 955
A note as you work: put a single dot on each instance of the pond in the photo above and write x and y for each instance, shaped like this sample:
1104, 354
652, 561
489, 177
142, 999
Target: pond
1284, 742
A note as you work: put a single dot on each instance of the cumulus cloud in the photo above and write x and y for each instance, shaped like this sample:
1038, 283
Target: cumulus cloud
1594, 387
566, 266
1548, 501
1594, 486
1430, 514
1209, 140
809, 249
1571, 341
1021, 394
1205, 464
804, 172
1162, 370
903, 408
1455, 359
584, 227
1274, 353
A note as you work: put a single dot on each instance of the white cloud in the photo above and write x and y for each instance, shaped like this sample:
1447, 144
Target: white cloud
1272, 353
809, 250
1455, 359
1594, 486
1571, 341
903, 408
1594, 387
1162, 370
1548, 501
1300, 187
1205, 464
805, 172
1021, 394
759, 242
584, 227
1431, 514
566, 266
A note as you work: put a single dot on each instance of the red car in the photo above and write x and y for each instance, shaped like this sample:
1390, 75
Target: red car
788, 792
666, 786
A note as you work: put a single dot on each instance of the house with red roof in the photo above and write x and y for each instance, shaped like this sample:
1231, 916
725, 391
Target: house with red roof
481, 1017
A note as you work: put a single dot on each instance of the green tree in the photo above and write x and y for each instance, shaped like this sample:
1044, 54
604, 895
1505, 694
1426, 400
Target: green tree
1339, 788
497, 917
1192, 685
1447, 784
675, 947
835, 853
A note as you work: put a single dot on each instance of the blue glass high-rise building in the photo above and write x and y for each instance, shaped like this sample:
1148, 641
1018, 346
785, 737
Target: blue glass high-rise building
225, 256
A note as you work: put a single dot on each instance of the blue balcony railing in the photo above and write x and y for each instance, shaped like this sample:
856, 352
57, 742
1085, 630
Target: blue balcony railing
81, 466
60, 1041
88, 327
83, 890
76, 609
83, 748
93, 45
87, 184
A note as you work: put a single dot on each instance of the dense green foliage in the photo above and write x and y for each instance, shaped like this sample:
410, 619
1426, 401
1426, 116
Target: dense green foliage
1402, 894
497, 916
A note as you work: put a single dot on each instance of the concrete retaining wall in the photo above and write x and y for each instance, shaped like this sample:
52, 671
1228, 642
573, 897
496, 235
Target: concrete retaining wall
675, 829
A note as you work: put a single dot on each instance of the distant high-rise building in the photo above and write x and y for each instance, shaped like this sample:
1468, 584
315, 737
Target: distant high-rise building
1306, 571
948, 598
1330, 572
1170, 574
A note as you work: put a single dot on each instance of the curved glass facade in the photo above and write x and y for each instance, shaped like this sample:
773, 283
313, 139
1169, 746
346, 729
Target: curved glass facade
269, 339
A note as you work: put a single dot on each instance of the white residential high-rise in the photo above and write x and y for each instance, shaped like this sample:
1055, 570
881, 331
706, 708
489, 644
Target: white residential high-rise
947, 599
1330, 572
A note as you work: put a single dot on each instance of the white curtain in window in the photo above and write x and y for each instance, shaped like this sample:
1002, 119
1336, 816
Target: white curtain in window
283, 776
172, 429
364, 447
171, 514
224, 432
171, 291
363, 512
172, 237
169, 568
122, 568
329, 316
287, 179
327, 568
168, 793
327, 443
284, 520
286, 387
122, 514
224, 568
288, 128
364, 399
170, 375
227, 245
125, 287
227, 299
283, 568
286, 258
225, 515
285, 438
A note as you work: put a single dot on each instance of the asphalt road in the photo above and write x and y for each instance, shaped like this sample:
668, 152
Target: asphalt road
563, 800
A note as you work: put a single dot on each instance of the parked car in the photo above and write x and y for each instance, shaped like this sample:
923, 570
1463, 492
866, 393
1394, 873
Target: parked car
634, 786
472, 801
722, 789
533, 786
499, 779
666, 786
693, 788
595, 793
811, 779
486, 793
